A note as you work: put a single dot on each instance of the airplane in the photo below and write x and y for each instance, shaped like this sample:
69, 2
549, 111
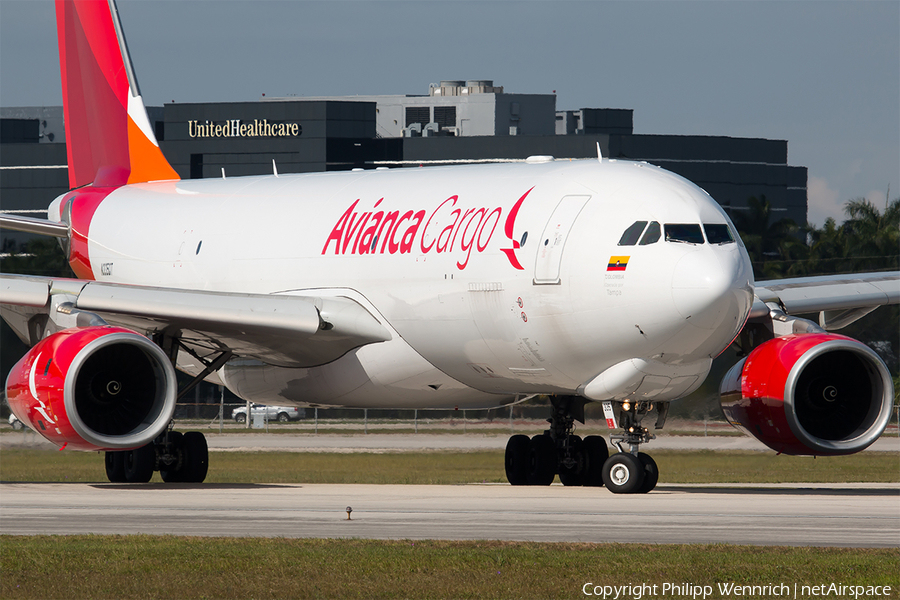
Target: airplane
467, 286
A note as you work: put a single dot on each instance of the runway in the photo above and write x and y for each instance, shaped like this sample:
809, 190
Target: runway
853, 515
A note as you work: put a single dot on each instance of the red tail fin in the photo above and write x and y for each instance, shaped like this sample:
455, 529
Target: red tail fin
108, 136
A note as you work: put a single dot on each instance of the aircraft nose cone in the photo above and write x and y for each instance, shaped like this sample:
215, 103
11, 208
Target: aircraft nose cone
710, 290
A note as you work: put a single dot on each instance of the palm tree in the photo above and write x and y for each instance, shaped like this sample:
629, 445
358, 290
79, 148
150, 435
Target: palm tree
827, 248
776, 248
872, 237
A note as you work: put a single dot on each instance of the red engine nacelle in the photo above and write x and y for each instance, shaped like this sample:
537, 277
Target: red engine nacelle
94, 388
815, 394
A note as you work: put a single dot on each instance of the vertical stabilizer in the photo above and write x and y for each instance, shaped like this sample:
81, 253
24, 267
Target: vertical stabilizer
108, 135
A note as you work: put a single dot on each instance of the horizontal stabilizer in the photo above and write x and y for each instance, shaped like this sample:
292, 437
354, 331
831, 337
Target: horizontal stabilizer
32, 225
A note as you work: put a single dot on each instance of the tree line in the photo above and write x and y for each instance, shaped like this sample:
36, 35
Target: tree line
867, 240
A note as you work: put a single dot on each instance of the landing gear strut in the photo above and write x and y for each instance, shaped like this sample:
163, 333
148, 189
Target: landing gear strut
178, 458
586, 462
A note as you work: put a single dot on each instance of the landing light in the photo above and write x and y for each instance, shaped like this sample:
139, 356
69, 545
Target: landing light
626, 406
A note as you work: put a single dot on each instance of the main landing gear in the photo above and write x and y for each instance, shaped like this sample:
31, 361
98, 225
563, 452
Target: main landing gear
577, 461
178, 458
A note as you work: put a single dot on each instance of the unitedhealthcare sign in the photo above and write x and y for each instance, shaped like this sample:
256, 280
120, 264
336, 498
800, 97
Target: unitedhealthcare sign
236, 128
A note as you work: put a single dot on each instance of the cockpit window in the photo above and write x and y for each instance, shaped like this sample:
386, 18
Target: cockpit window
685, 233
718, 234
631, 235
651, 236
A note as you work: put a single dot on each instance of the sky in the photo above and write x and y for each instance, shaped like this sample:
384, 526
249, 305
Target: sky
825, 76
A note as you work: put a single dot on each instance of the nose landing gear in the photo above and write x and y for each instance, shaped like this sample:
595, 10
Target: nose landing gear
631, 471
584, 462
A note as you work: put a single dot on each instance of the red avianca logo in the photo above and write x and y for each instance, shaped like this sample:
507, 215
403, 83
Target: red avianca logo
449, 228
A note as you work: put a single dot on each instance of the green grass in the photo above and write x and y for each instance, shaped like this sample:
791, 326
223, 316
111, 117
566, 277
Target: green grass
49, 567
707, 466
459, 467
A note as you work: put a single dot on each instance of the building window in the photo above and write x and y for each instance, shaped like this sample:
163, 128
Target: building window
445, 116
196, 166
418, 114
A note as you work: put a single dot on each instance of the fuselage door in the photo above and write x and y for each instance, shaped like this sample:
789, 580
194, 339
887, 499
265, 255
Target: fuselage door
553, 240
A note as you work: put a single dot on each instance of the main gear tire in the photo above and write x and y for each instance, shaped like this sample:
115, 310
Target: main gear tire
115, 466
196, 457
517, 459
543, 460
174, 472
139, 464
596, 452
574, 474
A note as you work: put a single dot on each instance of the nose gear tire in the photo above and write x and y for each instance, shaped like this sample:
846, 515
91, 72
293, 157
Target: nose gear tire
623, 473
651, 473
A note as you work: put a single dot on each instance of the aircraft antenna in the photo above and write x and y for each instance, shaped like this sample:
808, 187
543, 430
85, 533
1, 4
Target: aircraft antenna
274, 168
223, 172
599, 154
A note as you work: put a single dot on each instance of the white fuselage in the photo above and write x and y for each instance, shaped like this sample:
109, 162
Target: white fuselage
492, 279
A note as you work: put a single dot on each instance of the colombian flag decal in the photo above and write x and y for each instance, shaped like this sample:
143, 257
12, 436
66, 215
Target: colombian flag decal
617, 263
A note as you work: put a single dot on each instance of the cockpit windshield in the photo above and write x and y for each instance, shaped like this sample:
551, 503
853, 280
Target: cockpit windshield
718, 234
685, 233
651, 236
632, 234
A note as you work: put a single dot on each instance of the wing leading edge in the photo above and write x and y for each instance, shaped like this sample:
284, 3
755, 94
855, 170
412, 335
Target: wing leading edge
293, 329
839, 299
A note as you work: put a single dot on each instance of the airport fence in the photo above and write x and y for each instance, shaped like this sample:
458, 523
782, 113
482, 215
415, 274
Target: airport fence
210, 412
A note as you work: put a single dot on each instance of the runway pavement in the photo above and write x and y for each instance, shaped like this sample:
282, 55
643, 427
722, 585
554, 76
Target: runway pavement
855, 515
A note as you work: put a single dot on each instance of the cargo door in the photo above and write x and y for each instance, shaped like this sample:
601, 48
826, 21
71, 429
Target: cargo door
553, 240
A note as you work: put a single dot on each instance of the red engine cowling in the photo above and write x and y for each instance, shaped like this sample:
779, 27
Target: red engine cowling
814, 394
94, 388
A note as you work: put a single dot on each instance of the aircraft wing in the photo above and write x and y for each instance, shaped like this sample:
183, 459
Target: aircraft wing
294, 329
839, 299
